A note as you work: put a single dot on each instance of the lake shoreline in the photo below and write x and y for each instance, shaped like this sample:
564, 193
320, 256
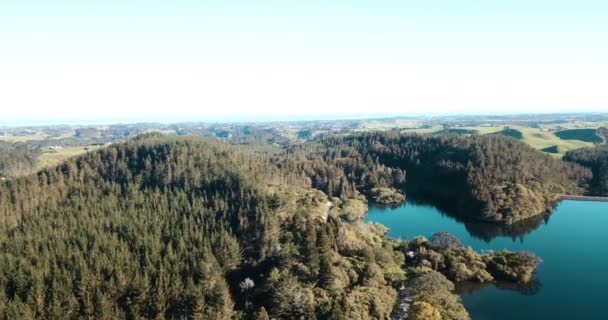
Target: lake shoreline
501, 300
583, 198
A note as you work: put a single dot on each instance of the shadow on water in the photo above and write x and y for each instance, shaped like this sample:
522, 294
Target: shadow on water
486, 231
516, 231
528, 289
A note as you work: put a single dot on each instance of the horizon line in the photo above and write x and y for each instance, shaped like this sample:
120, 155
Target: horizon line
260, 119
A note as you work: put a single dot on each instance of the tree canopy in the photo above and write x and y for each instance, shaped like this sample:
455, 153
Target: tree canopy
164, 227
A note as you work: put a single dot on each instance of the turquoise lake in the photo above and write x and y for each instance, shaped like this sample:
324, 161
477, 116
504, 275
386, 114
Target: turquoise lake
571, 282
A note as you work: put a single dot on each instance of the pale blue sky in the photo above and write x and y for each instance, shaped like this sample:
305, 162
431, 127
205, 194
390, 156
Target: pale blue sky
116, 59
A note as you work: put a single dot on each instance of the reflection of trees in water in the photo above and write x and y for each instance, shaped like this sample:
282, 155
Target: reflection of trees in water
528, 289
486, 231
489, 231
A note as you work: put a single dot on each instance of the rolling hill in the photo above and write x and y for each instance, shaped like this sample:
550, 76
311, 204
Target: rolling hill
586, 135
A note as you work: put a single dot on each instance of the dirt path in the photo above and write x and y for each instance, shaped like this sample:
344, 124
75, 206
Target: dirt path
405, 299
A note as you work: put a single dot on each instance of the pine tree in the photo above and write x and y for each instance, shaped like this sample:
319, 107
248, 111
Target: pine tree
339, 309
198, 309
311, 253
262, 314
326, 275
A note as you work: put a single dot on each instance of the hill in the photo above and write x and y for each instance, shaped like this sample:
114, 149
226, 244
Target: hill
509, 132
541, 139
597, 160
197, 228
488, 177
457, 131
17, 159
586, 135
183, 228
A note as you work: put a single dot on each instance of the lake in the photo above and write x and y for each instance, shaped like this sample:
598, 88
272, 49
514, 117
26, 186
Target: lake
572, 280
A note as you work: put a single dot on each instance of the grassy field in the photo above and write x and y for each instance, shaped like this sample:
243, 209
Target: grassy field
537, 138
541, 139
390, 124
54, 157
575, 125
439, 129
35, 137
423, 130
510, 132
23, 138
485, 129
460, 131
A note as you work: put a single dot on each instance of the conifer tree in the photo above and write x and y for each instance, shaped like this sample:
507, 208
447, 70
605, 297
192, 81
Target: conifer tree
262, 314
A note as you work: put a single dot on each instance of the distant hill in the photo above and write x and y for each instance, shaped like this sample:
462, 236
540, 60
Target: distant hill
459, 131
551, 149
509, 132
587, 135
597, 160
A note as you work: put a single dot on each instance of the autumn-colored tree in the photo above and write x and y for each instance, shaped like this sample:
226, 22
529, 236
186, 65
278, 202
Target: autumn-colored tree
421, 310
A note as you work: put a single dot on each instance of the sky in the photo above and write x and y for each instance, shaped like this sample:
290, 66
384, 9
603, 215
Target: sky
70, 60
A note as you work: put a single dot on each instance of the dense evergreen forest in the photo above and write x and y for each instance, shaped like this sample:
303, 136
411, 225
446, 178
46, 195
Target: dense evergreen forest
183, 228
491, 178
17, 159
196, 228
597, 160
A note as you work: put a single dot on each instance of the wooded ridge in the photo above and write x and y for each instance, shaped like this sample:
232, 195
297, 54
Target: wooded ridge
160, 227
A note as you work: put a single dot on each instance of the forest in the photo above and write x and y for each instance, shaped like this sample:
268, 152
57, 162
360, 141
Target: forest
17, 159
595, 159
491, 178
196, 228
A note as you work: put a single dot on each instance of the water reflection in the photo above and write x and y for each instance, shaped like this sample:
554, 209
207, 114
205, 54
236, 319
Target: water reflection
572, 274
516, 231
528, 289
485, 231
